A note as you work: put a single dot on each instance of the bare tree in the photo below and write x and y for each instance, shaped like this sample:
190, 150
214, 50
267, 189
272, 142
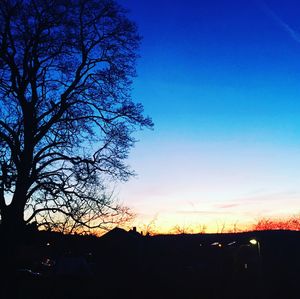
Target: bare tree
149, 229
277, 223
66, 113
221, 227
202, 229
181, 229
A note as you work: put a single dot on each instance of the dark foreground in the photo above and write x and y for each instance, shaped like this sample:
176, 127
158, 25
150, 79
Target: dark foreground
127, 265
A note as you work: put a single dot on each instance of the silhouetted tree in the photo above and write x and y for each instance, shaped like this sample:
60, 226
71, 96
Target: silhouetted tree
287, 223
66, 114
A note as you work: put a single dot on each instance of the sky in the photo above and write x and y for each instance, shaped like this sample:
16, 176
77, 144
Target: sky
221, 81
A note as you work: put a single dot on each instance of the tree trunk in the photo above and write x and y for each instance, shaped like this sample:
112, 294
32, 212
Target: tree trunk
12, 220
12, 236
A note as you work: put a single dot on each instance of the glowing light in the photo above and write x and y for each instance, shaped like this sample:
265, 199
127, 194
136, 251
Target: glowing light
216, 244
231, 243
253, 241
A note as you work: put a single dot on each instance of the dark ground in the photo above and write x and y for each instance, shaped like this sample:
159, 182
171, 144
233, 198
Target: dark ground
127, 265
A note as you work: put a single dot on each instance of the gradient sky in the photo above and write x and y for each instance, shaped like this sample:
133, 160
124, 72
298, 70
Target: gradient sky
221, 80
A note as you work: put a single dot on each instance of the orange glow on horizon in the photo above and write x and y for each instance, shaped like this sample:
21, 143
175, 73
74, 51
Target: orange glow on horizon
157, 227
271, 223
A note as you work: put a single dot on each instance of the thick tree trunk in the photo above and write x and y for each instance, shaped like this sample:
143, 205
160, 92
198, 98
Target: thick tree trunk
12, 236
12, 220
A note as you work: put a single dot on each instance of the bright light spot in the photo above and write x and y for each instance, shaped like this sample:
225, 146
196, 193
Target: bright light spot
253, 241
48, 244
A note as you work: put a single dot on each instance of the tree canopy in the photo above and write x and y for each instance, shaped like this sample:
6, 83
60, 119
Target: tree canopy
66, 112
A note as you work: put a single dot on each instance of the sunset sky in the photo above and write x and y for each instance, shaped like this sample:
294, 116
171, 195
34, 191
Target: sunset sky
221, 80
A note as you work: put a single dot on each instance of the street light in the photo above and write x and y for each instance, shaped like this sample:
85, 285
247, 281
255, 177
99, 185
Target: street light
256, 242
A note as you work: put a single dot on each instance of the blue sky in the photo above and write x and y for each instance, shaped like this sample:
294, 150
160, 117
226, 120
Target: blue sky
221, 80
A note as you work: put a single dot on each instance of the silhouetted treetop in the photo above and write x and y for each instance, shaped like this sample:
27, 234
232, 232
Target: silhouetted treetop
66, 117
